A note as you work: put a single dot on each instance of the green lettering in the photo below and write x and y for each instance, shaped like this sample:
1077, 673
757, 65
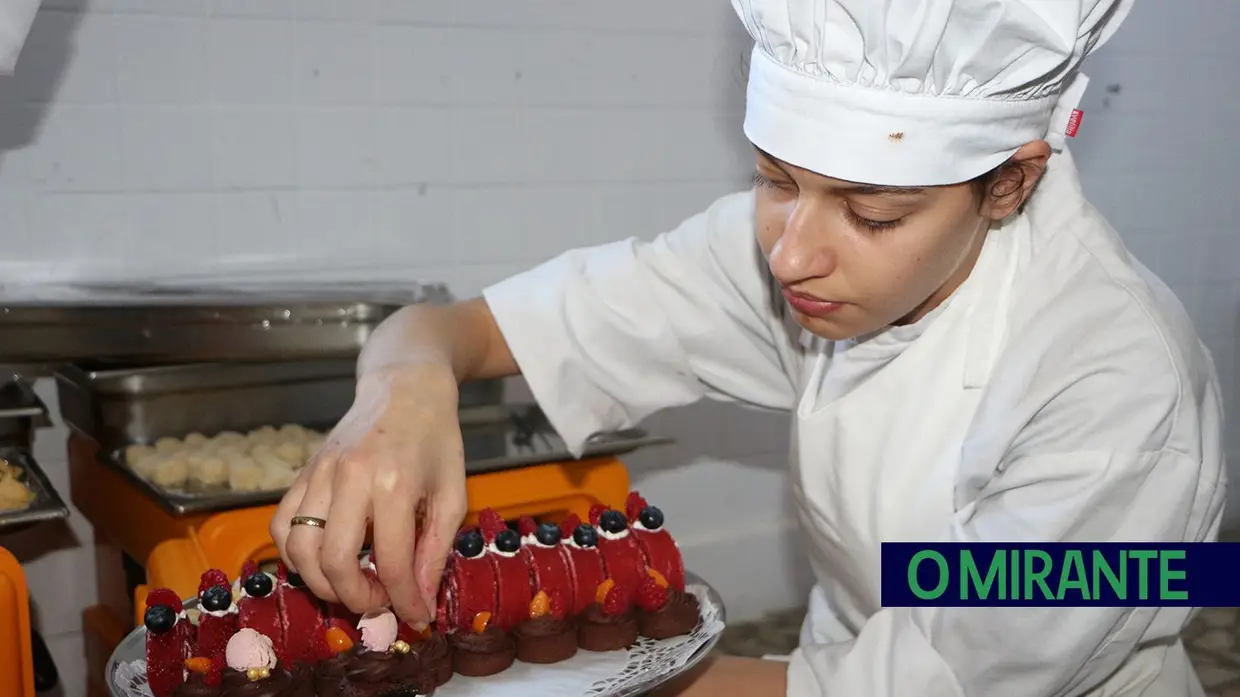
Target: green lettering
1118, 584
1143, 573
944, 576
971, 578
1166, 574
1014, 591
1038, 577
1073, 565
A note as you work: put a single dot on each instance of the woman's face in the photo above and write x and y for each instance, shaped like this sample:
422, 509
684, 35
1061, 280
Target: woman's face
852, 259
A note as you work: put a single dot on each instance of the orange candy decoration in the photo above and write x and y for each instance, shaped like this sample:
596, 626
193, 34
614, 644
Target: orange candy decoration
600, 596
540, 605
658, 577
338, 640
198, 664
481, 620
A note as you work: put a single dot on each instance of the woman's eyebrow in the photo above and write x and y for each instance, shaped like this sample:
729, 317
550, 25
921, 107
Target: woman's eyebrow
872, 189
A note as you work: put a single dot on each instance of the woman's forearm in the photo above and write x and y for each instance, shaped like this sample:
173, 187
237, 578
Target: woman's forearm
463, 336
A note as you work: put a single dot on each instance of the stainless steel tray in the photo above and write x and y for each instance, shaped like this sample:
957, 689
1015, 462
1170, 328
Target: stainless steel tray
495, 438
133, 648
176, 324
47, 504
117, 406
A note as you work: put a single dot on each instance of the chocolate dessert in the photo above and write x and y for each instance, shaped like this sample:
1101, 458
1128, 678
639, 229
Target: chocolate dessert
547, 639
435, 657
247, 667
478, 654
665, 612
360, 672
609, 625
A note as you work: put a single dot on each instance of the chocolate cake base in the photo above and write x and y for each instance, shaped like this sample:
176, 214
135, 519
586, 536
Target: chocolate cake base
436, 660
546, 640
678, 617
481, 655
601, 632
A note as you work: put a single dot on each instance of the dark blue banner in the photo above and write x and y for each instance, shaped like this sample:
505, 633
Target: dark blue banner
1060, 574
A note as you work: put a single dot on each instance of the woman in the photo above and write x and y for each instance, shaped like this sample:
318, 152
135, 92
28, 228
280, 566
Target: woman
968, 359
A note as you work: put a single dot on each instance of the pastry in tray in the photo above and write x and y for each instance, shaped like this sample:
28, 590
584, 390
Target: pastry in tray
538, 593
15, 494
264, 459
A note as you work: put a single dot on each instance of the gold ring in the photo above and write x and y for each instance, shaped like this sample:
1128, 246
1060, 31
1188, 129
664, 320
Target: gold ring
307, 520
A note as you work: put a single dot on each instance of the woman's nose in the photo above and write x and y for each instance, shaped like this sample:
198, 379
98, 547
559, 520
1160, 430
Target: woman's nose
804, 250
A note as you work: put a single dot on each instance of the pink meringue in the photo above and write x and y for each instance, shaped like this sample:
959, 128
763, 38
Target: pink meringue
379, 630
249, 649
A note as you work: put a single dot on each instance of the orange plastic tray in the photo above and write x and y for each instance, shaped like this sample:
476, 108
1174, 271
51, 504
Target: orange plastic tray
16, 660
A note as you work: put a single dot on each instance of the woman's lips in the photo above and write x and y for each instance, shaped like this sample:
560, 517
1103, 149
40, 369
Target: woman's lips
810, 305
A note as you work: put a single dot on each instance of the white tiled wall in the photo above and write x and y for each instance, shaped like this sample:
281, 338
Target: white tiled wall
462, 141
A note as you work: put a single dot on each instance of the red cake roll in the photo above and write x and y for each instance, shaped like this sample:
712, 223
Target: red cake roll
512, 571
470, 585
622, 557
660, 550
258, 607
585, 563
217, 619
168, 641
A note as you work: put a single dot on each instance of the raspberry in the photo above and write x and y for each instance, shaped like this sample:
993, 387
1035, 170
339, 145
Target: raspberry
164, 596
527, 526
652, 596
569, 525
491, 523
596, 512
633, 506
213, 578
616, 602
249, 568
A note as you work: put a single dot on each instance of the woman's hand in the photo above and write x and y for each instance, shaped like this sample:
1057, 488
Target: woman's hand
395, 459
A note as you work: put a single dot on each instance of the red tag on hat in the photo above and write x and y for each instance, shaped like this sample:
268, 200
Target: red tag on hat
1074, 122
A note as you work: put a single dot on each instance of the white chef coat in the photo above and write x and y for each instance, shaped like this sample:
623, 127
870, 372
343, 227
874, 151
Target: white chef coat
16, 17
1060, 394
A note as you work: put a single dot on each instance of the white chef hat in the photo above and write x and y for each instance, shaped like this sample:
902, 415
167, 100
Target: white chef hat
916, 92
16, 16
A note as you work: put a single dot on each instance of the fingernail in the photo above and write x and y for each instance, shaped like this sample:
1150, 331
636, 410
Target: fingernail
419, 626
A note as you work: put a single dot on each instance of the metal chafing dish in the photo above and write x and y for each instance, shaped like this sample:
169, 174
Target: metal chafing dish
495, 438
47, 504
161, 323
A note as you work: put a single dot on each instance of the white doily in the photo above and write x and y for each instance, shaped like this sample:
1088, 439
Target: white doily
613, 674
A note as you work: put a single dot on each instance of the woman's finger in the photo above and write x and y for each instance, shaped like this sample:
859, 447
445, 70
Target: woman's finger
289, 504
305, 542
395, 531
343, 538
444, 512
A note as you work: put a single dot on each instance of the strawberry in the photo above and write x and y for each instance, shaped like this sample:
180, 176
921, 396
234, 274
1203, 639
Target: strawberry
652, 596
617, 602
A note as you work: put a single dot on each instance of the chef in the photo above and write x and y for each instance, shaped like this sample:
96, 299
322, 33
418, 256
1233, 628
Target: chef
967, 349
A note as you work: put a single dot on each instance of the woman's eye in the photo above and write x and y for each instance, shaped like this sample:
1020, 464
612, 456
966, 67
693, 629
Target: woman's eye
762, 181
871, 224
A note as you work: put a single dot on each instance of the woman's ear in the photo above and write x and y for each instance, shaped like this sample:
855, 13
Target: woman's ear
1014, 182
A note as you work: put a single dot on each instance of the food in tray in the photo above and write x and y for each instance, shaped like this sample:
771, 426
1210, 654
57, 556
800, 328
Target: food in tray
15, 494
264, 459
538, 593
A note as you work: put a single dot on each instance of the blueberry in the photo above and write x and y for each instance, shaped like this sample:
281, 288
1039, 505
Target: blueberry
258, 585
651, 518
548, 534
294, 579
508, 541
585, 536
613, 522
159, 619
469, 544
216, 599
